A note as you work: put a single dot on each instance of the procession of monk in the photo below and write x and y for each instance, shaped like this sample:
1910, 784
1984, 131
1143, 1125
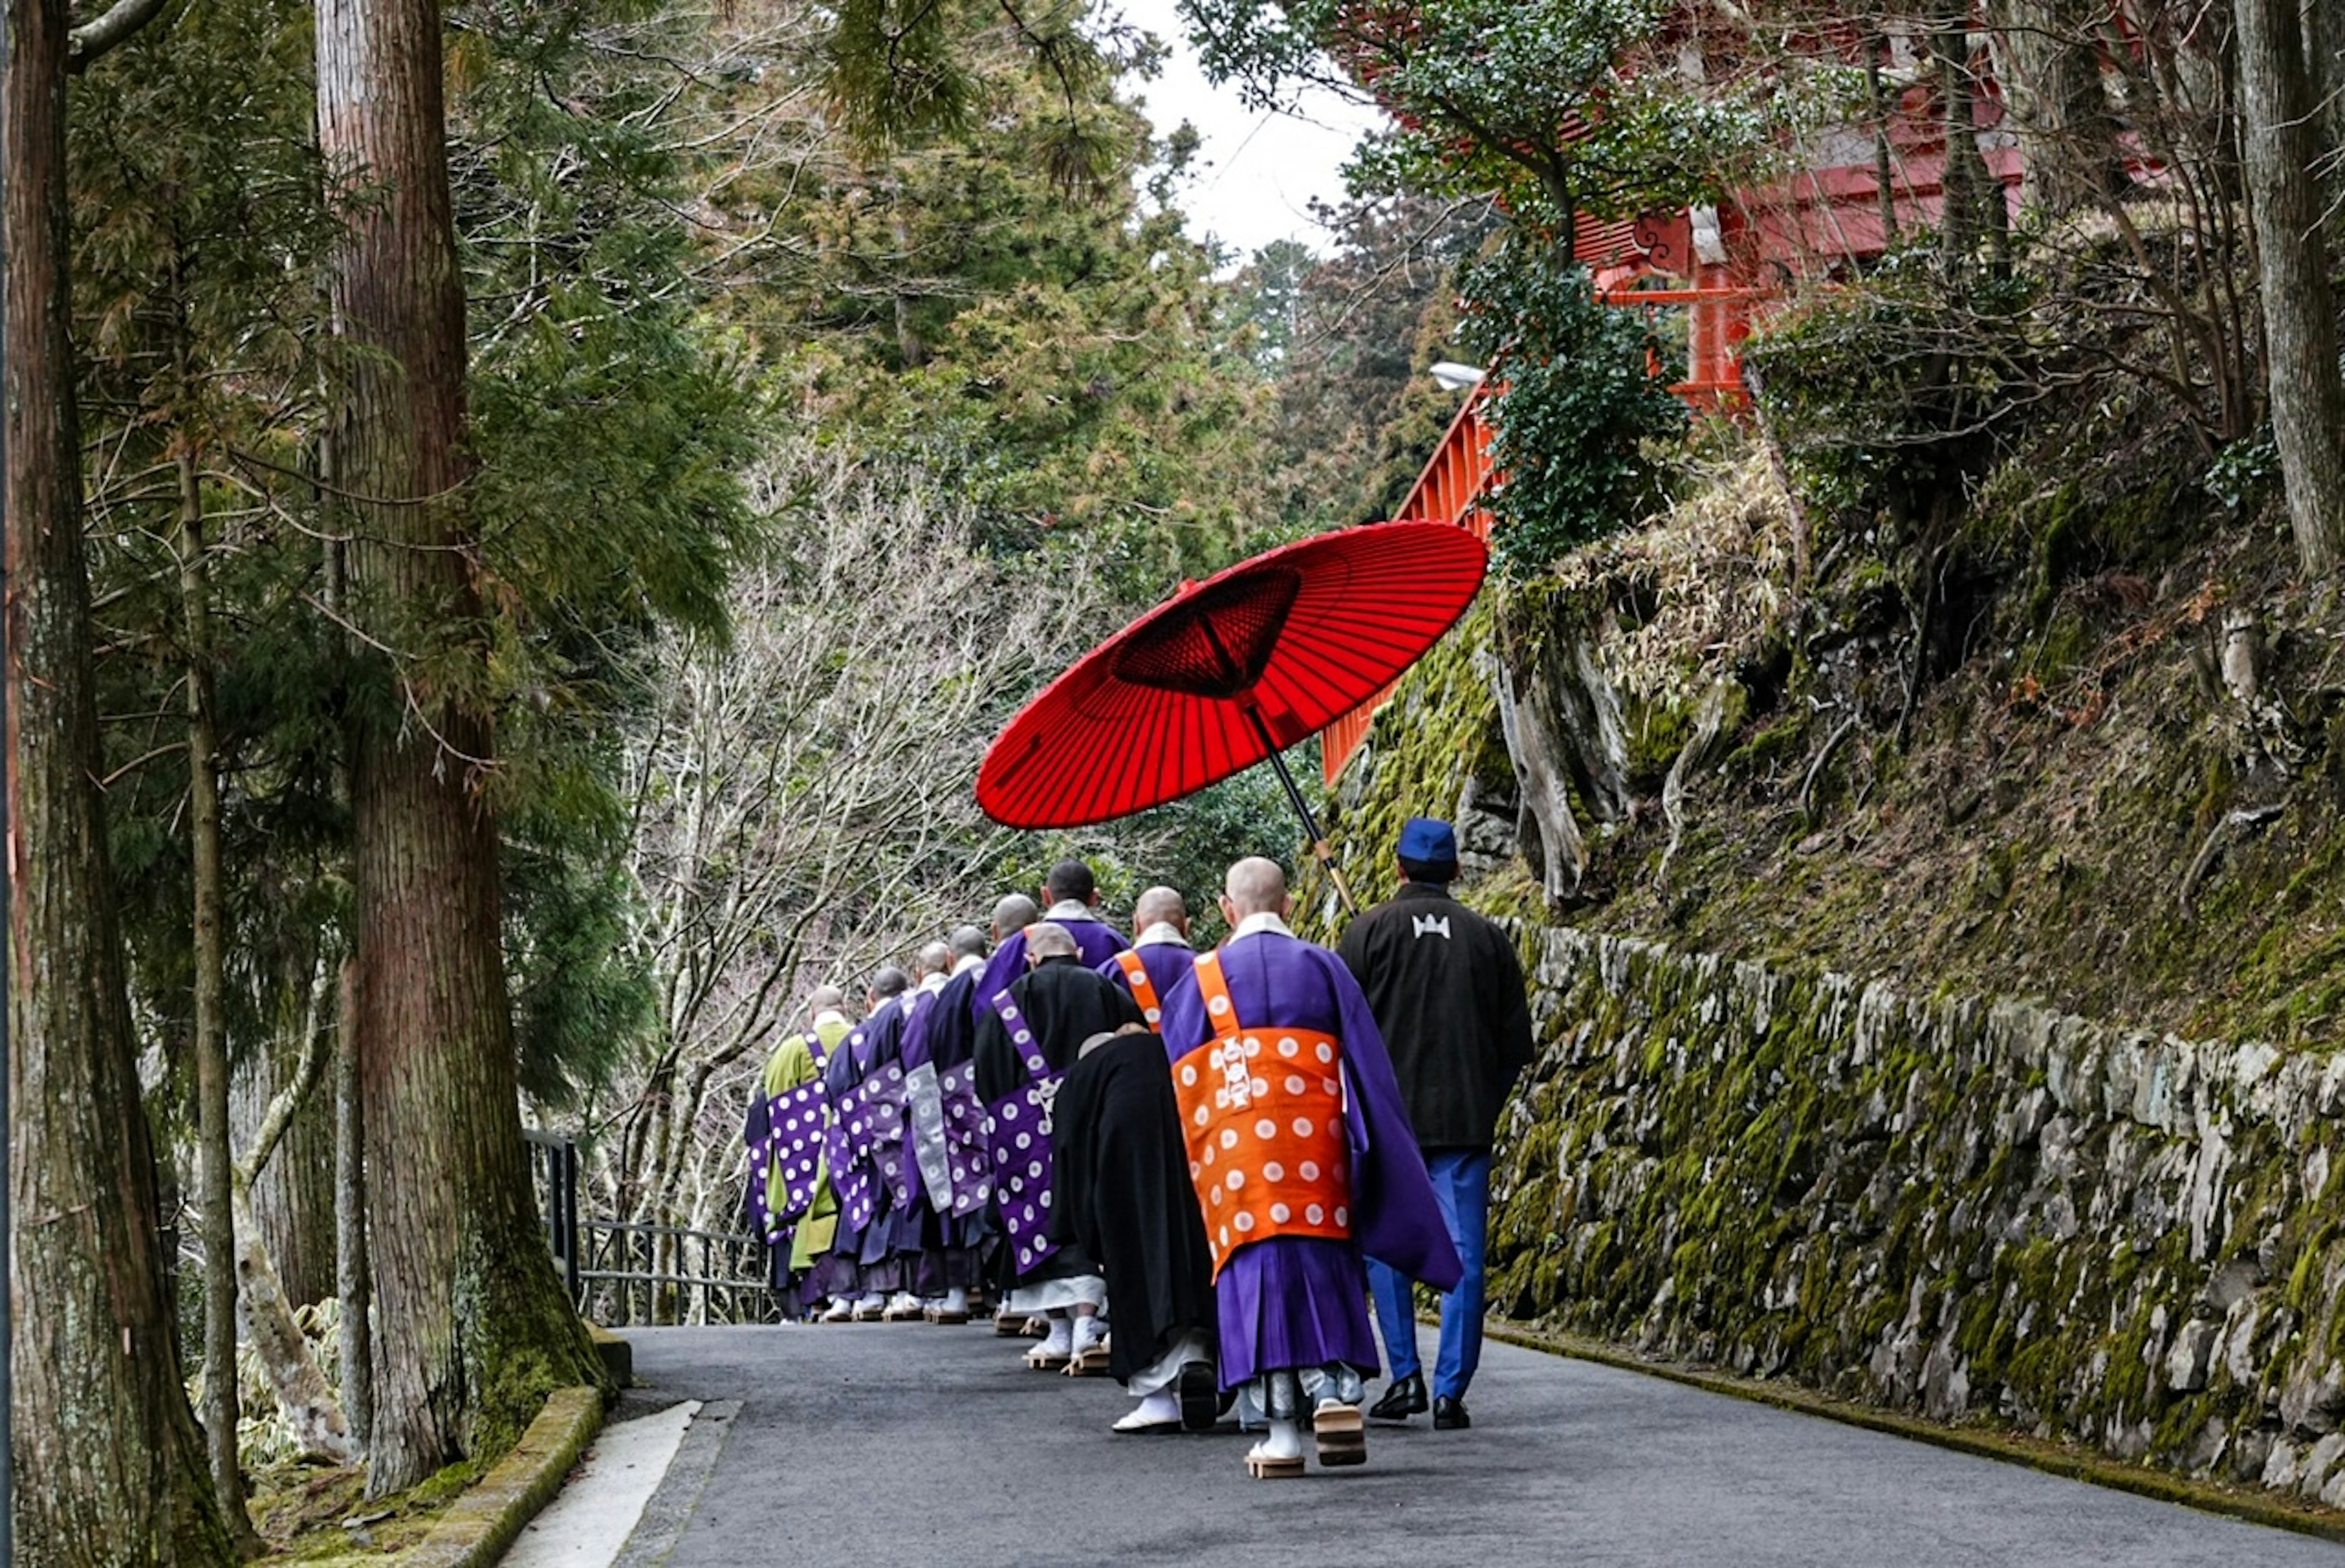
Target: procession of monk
1191, 1171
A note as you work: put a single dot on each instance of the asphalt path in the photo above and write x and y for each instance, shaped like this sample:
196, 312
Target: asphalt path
898, 1445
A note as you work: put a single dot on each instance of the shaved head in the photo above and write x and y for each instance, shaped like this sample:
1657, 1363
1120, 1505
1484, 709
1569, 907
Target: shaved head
1160, 906
1256, 886
934, 959
1049, 939
826, 999
890, 981
967, 942
1014, 913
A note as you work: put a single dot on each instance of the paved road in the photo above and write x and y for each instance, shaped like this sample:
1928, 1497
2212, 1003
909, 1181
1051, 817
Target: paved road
898, 1445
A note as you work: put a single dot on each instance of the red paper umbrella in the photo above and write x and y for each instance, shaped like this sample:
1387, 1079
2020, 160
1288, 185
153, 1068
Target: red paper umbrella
1229, 671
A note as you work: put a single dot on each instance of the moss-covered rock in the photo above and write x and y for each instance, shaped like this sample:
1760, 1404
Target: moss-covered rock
1964, 1208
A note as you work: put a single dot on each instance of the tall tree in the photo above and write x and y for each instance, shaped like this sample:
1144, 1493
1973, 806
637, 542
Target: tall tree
2281, 141
2048, 62
99, 1416
474, 1327
215, 1184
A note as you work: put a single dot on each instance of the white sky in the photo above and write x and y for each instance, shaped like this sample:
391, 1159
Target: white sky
1258, 171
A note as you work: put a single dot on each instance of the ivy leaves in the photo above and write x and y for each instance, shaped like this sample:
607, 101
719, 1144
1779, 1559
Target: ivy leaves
1581, 410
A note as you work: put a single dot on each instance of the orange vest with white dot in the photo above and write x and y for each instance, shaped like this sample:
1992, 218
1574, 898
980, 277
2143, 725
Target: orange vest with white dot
1262, 1110
1143, 989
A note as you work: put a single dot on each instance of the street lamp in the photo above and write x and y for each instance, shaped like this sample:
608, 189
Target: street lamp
1453, 376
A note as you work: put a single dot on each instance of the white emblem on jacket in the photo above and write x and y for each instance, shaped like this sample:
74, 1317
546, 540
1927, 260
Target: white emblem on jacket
1429, 925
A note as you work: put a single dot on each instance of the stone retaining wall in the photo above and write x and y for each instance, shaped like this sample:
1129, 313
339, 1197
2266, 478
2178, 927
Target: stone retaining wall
1963, 1208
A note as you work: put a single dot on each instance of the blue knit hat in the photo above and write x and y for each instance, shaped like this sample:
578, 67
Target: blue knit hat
1428, 839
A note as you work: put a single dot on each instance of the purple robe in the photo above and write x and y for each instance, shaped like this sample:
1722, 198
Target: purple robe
1294, 1301
852, 1146
1096, 942
895, 1225
941, 1039
1166, 962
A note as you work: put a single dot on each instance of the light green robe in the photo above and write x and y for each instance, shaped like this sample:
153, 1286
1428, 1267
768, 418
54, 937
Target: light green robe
792, 1064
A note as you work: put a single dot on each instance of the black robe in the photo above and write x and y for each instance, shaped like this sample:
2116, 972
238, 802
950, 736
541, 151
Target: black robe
1122, 1192
1064, 1005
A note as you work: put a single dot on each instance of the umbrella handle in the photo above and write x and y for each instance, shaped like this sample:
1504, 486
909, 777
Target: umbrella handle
1303, 809
1336, 875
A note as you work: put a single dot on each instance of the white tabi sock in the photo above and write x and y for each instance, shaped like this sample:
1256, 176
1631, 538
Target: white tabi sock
1284, 1442
1060, 1340
1089, 1331
956, 1299
1159, 1407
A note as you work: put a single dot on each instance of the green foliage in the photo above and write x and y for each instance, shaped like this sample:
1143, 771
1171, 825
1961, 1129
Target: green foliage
1065, 365
613, 414
2244, 472
1347, 338
1581, 414
896, 72
584, 1001
1557, 106
893, 68
1883, 394
611, 418
197, 227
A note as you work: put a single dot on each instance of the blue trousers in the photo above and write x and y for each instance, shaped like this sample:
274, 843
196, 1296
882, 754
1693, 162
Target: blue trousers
1461, 1185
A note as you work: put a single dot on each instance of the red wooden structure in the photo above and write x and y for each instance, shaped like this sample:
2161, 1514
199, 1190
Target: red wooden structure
1448, 490
1721, 264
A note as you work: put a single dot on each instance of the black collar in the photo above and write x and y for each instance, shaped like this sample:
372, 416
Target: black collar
1423, 890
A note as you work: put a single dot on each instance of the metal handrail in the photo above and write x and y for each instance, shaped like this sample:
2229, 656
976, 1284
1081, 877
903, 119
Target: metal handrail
595, 1256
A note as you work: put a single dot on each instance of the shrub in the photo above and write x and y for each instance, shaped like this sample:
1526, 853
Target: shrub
1583, 421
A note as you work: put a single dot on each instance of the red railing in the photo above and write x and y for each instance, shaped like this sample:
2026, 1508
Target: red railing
1447, 492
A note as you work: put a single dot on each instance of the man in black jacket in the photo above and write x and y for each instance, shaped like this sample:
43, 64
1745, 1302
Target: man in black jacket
1448, 994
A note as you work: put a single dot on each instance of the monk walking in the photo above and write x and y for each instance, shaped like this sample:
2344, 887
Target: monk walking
1305, 1167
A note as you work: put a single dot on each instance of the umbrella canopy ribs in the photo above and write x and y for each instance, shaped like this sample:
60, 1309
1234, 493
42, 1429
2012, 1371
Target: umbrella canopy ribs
1228, 674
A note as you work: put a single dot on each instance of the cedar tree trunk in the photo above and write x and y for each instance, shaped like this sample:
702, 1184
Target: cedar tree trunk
2278, 117
110, 1465
215, 1203
350, 1284
473, 1328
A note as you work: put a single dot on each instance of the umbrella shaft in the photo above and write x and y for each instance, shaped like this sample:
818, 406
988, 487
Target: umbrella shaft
1302, 808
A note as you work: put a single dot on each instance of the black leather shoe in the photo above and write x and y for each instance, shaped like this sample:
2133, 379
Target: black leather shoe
1402, 1401
1449, 1414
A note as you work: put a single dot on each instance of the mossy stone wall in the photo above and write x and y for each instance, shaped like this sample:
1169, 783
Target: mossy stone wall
1972, 1209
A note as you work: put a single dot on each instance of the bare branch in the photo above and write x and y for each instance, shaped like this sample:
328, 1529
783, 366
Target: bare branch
108, 31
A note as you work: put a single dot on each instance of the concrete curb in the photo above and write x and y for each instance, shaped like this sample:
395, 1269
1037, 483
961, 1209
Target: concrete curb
618, 1355
480, 1525
2257, 1507
670, 1507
